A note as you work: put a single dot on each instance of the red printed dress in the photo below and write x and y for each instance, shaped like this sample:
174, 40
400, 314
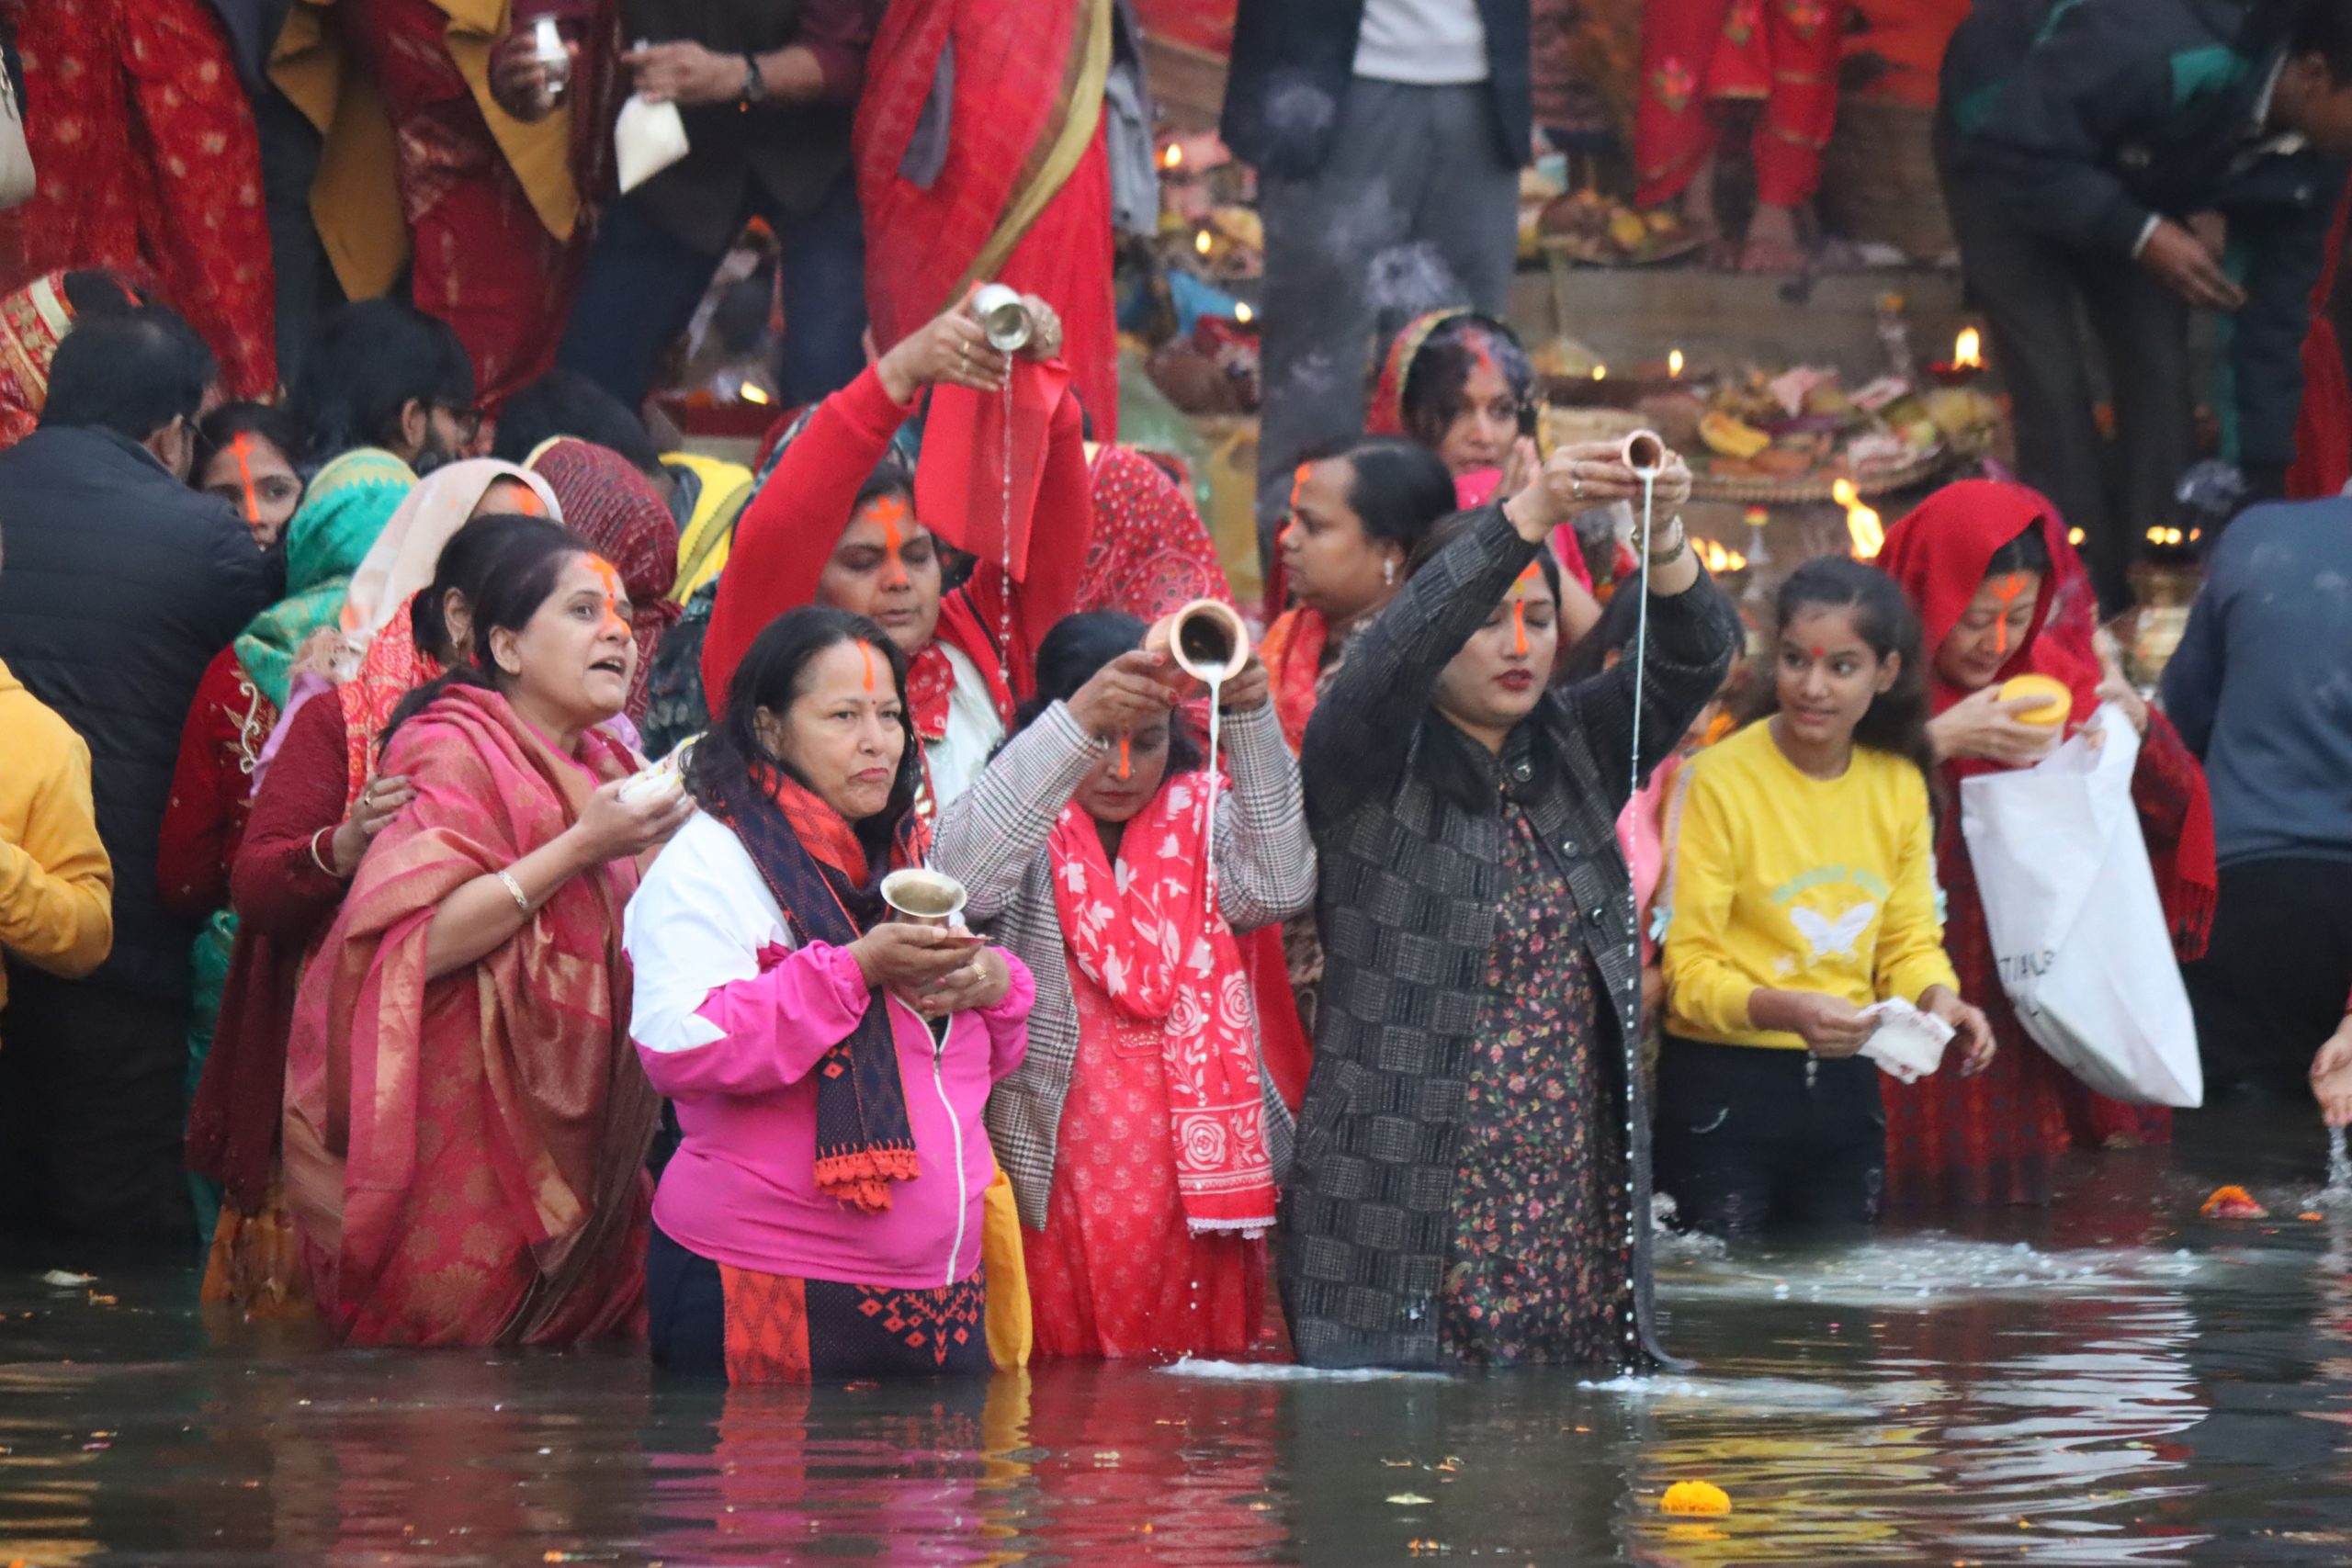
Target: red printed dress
1117, 1271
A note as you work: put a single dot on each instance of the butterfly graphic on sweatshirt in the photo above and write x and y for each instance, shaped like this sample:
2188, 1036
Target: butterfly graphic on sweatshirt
1827, 937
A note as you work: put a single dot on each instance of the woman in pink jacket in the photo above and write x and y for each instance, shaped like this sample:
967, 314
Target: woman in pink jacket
822, 1217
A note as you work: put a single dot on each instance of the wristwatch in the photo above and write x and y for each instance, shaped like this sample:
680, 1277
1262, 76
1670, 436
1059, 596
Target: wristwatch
755, 87
1674, 544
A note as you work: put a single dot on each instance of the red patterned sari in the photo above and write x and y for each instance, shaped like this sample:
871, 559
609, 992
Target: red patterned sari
148, 161
1022, 195
465, 1156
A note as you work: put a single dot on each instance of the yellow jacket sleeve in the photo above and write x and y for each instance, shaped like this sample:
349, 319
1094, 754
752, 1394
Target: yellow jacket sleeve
1702, 986
1911, 935
57, 887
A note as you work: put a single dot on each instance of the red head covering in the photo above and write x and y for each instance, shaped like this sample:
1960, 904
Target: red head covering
607, 502
1939, 556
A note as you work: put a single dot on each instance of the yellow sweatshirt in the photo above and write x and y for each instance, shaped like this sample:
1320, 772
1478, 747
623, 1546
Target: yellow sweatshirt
1789, 882
56, 883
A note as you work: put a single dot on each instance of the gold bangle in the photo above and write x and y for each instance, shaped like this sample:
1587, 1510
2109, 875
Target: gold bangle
515, 890
319, 860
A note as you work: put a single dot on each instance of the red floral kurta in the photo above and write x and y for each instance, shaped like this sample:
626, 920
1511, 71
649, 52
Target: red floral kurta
1117, 1271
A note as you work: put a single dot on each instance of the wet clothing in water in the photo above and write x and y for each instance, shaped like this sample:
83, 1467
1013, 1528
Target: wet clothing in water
465, 1153
159, 578
1750, 1140
714, 1320
1537, 1270
1412, 887
2257, 689
1996, 1137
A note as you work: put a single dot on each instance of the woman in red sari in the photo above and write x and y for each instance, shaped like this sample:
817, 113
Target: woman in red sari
144, 145
466, 1125
981, 154
2001, 594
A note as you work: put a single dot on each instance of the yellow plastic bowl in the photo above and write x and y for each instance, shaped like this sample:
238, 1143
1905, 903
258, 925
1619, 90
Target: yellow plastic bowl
2060, 703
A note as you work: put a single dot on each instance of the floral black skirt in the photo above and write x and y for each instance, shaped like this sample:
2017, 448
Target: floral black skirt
1537, 1269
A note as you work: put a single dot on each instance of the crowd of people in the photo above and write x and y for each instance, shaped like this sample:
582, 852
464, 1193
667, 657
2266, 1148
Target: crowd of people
455, 856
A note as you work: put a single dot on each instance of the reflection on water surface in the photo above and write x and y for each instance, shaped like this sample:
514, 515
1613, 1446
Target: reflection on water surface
2114, 1382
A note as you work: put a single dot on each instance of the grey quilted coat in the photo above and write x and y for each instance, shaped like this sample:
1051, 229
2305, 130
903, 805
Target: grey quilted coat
1411, 885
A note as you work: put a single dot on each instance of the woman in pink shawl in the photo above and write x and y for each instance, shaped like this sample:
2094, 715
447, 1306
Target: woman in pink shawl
466, 1126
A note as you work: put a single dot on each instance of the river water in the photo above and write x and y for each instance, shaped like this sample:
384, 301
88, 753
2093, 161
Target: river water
2115, 1381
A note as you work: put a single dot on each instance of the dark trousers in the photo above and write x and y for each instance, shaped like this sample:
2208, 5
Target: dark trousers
2034, 295
641, 284
93, 1110
2272, 984
1413, 209
1749, 1138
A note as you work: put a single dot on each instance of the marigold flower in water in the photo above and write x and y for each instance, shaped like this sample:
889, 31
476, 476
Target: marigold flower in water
2232, 1202
1695, 1497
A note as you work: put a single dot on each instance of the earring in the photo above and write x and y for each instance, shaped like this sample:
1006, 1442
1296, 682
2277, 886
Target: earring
1388, 571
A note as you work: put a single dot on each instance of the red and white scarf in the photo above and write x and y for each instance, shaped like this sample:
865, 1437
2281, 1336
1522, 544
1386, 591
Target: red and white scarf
1146, 936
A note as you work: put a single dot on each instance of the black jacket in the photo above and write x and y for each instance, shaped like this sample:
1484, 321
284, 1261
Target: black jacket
2090, 116
1411, 884
1293, 61
118, 585
793, 152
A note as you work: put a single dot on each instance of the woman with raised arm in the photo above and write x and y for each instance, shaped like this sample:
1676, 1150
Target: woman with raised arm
1472, 1178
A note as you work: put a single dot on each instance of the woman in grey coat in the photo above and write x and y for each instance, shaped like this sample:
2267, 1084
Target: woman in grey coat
1472, 1178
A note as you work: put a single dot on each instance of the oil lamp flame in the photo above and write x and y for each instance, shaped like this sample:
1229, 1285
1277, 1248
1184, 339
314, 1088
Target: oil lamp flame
1862, 525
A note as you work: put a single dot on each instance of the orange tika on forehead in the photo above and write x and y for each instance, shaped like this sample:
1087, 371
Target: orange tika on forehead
243, 447
615, 594
890, 512
1526, 580
2006, 590
867, 650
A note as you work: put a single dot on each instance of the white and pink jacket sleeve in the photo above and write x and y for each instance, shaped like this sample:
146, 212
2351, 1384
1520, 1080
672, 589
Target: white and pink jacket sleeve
731, 1017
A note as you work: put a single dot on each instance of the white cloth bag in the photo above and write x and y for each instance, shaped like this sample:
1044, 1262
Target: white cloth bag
2077, 926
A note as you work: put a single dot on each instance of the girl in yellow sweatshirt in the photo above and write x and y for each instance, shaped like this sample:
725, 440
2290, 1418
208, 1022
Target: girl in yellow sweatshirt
1802, 891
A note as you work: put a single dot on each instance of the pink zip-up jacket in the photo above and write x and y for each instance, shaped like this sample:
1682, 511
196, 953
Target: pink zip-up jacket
730, 1019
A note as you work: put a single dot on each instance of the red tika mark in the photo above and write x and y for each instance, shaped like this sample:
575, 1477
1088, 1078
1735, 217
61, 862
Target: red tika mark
867, 650
1127, 765
1818, 653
